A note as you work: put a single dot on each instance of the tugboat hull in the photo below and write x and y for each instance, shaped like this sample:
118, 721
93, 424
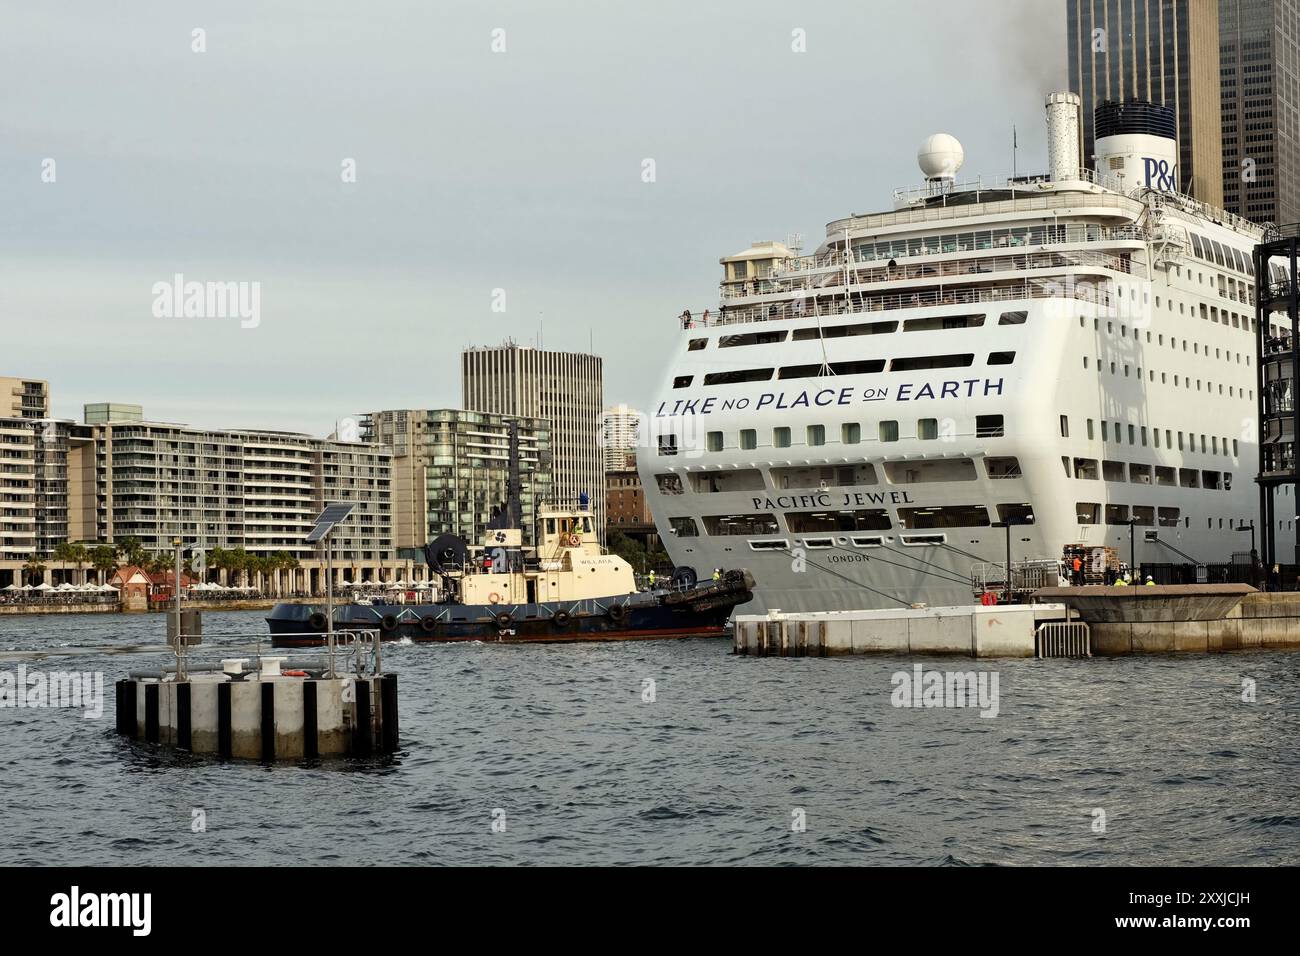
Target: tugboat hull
698, 612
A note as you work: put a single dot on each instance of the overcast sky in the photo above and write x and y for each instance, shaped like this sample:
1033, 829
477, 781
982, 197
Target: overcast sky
475, 171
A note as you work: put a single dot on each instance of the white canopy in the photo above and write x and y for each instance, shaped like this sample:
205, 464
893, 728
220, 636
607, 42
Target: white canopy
13, 587
42, 587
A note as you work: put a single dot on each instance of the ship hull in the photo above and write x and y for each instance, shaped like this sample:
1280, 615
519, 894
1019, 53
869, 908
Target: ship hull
701, 612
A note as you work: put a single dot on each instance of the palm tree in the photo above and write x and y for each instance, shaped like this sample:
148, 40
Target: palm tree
63, 553
104, 559
134, 551
80, 555
33, 569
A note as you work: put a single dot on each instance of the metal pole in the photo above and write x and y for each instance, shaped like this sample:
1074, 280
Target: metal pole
180, 637
1132, 551
1008, 530
329, 598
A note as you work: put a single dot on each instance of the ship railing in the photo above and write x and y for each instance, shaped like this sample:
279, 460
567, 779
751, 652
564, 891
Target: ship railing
956, 268
867, 304
1026, 575
912, 194
346, 650
914, 215
929, 246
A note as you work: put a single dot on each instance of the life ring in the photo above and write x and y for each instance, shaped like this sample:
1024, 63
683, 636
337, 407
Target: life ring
575, 541
388, 624
617, 612
560, 619
317, 622
428, 624
494, 598
504, 620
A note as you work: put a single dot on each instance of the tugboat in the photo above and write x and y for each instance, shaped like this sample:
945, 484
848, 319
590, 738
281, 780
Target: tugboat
564, 589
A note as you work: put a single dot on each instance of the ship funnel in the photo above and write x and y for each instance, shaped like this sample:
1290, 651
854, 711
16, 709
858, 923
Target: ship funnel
1137, 145
1063, 135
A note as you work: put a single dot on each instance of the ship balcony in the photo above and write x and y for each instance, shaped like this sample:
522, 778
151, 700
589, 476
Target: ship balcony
977, 241
859, 303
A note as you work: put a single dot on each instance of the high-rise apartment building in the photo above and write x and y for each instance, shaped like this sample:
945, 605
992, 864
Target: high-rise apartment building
620, 430
450, 469
1158, 51
24, 398
259, 491
1259, 59
566, 389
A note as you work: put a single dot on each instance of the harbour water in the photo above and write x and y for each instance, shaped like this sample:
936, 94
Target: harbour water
735, 760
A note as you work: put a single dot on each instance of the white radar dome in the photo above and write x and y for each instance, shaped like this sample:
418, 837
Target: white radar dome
940, 156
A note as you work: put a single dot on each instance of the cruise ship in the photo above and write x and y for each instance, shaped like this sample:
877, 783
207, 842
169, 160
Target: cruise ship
1026, 364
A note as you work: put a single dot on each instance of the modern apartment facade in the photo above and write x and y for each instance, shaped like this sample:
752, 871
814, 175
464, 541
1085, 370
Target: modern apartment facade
450, 468
566, 389
259, 491
1160, 51
1259, 57
24, 398
620, 430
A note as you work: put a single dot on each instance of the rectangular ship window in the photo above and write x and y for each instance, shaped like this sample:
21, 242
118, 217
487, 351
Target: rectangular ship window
1087, 512
696, 344
917, 363
816, 434
1003, 467
851, 433
737, 376
748, 439
740, 524
781, 437
889, 431
669, 484
1006, 358
868, 519
1014, 318
989, 426
751, 338
951, 516
683, 381
944, 469
716, 482
938, 322
684, 527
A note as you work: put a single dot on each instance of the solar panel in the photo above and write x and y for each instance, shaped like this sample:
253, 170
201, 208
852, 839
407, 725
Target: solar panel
330, 517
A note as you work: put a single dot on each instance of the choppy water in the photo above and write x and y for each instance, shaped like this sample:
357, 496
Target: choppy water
713, 771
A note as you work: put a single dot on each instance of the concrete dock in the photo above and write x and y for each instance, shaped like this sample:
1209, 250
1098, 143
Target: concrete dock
1059, 622
976, 631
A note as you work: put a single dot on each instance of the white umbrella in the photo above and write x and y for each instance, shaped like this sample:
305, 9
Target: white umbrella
12, 587
65, 586
42, 587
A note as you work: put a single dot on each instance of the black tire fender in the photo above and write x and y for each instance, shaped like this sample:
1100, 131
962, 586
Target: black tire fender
560, 618
388, 624
428, 624
504, 619
617, 612
318, 622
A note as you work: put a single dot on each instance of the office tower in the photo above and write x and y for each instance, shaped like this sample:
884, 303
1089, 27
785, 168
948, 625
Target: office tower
565, 388
1259, 57
1159, 51
450, 469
